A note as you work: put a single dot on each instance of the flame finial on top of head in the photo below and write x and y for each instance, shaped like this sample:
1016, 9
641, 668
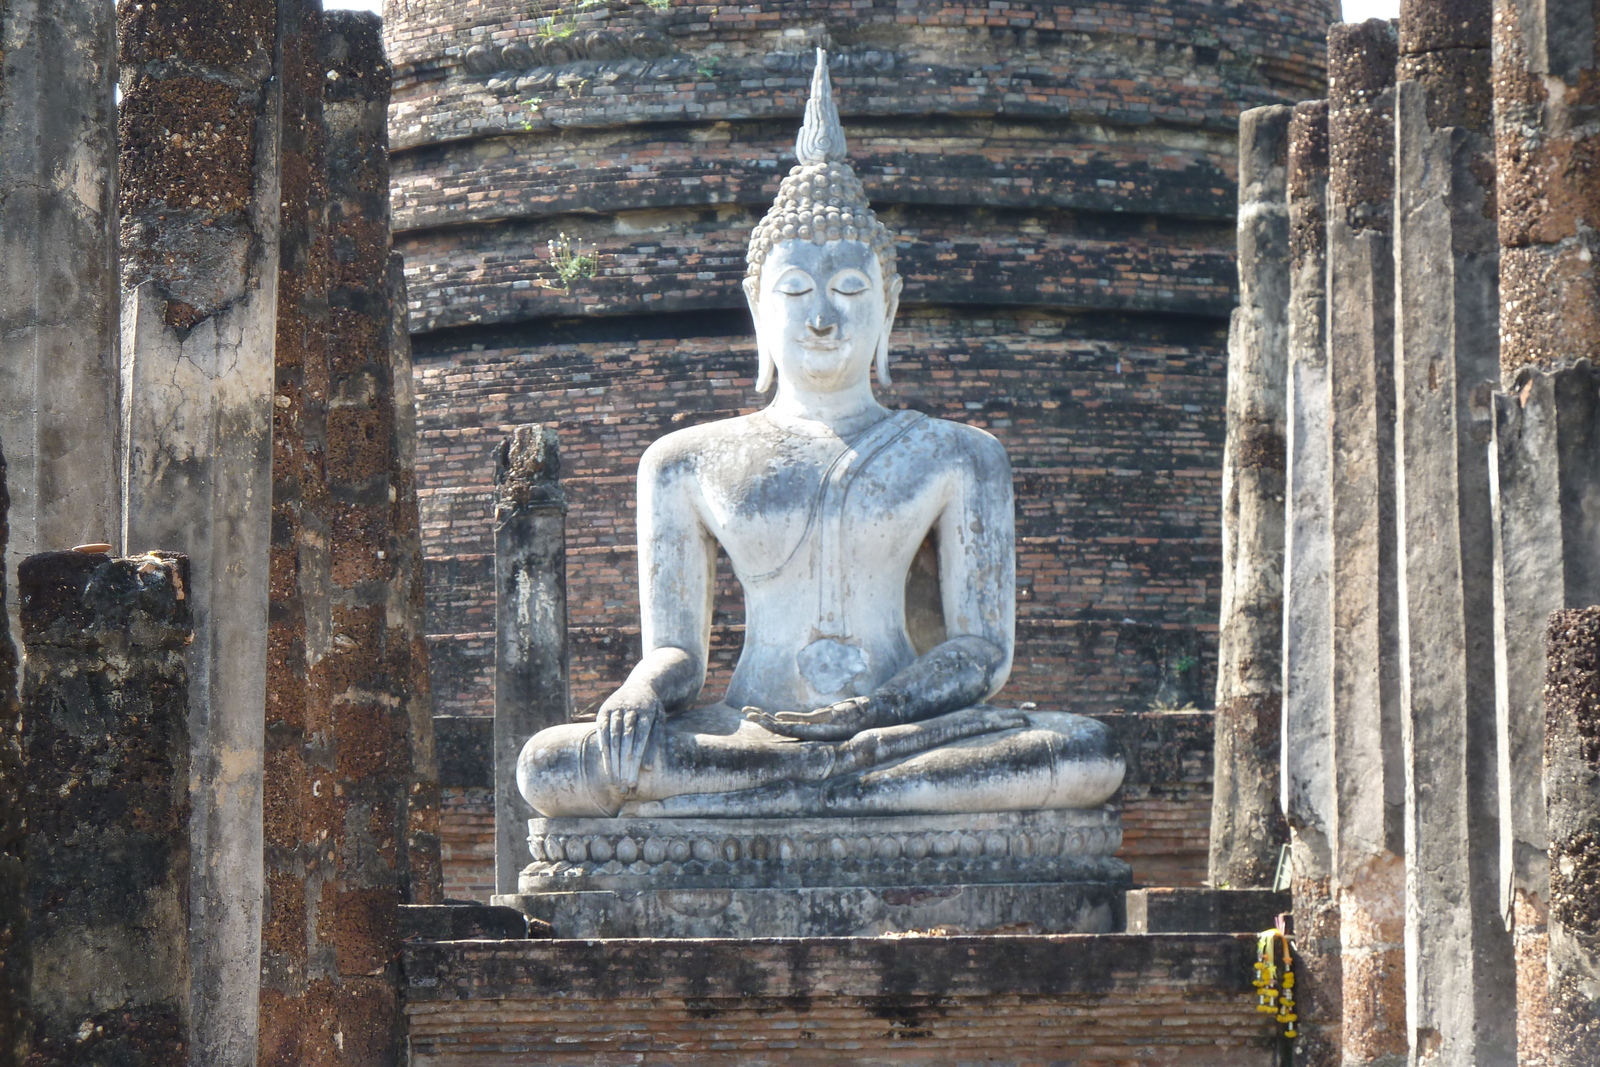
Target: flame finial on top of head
821, 137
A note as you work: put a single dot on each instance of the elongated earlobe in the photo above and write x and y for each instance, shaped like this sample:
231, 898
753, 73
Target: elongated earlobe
764, 368
882, 362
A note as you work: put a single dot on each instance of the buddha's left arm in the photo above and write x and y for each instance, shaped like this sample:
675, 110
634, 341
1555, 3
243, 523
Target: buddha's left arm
977, 580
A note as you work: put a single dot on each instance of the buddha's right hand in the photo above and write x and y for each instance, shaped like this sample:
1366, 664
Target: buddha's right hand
623, 726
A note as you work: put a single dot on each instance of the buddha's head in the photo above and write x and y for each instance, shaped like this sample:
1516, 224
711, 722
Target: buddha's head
822, 283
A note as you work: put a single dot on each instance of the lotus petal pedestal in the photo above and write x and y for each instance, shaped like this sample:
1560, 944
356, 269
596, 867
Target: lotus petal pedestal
1024, 872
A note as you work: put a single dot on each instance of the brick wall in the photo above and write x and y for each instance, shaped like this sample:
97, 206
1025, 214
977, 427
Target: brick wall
1109, 1000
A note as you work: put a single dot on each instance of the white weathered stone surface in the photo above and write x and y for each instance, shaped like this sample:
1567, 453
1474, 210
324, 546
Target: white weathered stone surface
198, 412
876, 553
530, 661
1247, 826
1460, 978
58, 289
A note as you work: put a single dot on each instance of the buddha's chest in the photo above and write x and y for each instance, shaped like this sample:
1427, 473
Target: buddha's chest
820, 510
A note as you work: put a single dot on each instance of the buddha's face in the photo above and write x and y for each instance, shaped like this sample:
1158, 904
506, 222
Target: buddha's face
820, 312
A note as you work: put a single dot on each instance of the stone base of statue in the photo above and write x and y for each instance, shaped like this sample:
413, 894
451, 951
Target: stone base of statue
1045, 872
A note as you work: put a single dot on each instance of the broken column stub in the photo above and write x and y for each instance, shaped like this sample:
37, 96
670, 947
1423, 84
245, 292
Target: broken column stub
1546, 502
58, 293
1460, 977
1247, 828
530, 676
1369, 783
105, 738
200, 208
1308, 799
1572, 796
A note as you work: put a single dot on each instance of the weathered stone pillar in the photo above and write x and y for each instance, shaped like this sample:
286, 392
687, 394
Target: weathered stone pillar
1247, 828
106, 741
530, 663
199, 203
407, 611
13, 912
1460, 977
1572, 796
1545, 93
297, 713
1369, 782
58, 292
1546, 497
1307, 613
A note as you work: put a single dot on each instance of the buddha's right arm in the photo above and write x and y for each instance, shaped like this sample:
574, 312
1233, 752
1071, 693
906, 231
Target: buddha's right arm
677, 569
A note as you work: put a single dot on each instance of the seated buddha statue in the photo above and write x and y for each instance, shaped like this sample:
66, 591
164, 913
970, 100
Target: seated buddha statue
875, 549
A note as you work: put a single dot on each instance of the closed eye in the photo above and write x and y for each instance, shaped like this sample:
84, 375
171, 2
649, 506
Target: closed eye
849, 283
794, 283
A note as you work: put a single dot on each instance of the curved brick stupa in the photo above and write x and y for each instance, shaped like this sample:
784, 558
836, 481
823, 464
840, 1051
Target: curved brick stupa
1061, 180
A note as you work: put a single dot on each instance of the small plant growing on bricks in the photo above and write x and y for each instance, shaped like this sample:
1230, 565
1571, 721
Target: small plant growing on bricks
572, 264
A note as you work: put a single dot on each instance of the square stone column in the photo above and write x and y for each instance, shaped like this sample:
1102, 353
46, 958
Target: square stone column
58, 291
1367, 760
530, 667
1460, 979
1308, 792
1247, 827
200, 198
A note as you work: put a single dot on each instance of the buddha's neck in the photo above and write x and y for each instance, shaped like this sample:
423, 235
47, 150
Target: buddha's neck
844, 411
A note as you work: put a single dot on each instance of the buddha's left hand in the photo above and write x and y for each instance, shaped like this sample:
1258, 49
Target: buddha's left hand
836, 722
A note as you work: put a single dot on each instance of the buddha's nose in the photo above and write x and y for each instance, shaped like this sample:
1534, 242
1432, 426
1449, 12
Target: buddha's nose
820, 326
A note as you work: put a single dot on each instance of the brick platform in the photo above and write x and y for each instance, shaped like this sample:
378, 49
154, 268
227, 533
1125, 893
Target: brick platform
1106, 1000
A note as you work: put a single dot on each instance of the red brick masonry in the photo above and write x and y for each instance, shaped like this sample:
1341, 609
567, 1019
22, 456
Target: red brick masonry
1106, 1000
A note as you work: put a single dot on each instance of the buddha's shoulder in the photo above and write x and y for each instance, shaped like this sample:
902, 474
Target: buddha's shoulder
694, 444
959, 440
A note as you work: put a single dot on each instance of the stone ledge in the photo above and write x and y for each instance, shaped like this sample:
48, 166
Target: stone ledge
1204, 911
834, 911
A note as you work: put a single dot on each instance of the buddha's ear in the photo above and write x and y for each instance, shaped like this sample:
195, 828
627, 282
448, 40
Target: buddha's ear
765, 370
892, 307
